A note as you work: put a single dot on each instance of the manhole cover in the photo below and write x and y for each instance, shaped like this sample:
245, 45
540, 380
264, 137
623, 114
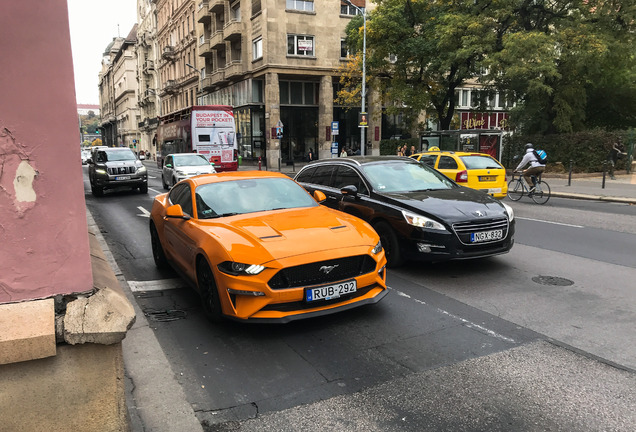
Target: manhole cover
552, 280
165, 315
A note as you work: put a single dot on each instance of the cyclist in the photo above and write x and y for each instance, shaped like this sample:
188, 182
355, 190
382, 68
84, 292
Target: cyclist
536, 168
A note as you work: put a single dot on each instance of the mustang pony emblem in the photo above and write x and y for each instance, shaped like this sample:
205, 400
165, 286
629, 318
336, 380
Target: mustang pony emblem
327, 269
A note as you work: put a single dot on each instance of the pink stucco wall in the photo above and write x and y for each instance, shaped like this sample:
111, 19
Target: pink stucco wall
43, 231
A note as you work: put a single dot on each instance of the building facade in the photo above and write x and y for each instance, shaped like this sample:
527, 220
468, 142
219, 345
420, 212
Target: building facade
147, 75
276, 62
118, 93
179, 73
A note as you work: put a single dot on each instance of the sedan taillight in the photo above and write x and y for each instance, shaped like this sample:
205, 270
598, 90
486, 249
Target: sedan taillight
462, 177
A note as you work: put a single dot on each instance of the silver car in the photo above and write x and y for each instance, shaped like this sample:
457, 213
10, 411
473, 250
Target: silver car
179, 166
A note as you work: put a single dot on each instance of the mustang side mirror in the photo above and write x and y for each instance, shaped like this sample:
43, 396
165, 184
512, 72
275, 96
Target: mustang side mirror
176, 212
319, 196
349, 191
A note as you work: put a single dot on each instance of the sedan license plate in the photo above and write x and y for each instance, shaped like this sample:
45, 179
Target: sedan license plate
122, 178
486, 236
487, 178
329, 292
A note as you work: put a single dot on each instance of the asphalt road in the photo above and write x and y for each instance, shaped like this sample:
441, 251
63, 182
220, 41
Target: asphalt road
506, 343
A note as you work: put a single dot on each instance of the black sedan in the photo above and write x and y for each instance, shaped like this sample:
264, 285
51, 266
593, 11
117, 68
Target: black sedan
418, 212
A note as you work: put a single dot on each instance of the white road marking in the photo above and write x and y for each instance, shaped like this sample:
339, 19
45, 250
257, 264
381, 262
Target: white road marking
144, 212
467, 323
550, 222
157, 285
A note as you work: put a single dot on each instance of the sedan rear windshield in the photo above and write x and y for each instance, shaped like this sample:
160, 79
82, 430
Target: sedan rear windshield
190, 160
115, 155
480, 162
248, 196
400, 176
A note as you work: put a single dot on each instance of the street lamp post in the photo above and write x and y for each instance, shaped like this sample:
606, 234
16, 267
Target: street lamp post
200, 75
363, 11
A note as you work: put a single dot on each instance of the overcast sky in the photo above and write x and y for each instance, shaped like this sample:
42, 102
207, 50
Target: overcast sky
93, 26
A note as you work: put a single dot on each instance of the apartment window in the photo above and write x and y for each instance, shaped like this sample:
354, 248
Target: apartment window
256, 6
465, 94
344, 50
301, 5
235, 11
349, 10
300, 45
257, 48
298, 93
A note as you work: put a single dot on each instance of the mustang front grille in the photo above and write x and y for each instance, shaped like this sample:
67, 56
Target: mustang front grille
322, 272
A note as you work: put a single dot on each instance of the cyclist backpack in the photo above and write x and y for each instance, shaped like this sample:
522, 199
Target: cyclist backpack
541, 155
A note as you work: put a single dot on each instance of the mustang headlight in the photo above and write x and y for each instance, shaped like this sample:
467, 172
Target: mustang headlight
422, 221
236, 268
377, 248
510, 211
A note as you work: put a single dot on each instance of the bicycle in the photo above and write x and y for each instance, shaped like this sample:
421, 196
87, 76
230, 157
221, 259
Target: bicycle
518, 188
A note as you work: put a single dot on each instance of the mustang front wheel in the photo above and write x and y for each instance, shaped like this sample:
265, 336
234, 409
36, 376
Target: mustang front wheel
208, 292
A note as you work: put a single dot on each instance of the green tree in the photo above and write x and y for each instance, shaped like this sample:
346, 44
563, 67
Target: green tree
552, 58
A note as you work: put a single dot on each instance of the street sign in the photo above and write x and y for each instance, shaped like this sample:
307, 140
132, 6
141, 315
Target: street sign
362, 120
334, 149
335, 127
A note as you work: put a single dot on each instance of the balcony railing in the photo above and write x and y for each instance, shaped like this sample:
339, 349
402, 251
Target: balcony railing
217, 41
234, 69
233, 30
168, 52
205, 49
171, 86
217, 6
207, 83
203, 12
149, 65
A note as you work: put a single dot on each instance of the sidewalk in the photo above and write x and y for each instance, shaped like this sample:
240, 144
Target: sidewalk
590, 187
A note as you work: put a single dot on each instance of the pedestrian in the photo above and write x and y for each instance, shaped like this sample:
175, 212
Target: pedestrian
405, 151
343, 153
310, 155
399, 151
536, 167
614, 154
412, 150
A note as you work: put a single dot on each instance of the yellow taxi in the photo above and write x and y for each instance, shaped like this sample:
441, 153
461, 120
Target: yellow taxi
474, 170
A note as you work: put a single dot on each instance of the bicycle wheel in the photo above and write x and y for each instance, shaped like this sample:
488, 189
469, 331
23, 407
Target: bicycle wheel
515, 189
542, 193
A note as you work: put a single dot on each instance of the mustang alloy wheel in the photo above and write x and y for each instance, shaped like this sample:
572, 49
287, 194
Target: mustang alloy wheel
208, 292
157, 250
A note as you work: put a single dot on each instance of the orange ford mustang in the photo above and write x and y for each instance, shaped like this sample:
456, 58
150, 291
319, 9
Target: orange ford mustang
258, 247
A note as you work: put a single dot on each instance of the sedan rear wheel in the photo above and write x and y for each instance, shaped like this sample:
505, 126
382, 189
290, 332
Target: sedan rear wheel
390, 244
208, 291
157, 250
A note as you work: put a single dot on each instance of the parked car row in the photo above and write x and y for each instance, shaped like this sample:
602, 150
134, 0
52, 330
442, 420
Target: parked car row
259, 247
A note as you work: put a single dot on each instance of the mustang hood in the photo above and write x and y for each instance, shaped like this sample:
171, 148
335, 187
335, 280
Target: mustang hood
285, 233
451, 205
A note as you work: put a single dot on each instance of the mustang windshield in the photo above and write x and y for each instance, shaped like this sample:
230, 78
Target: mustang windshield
248, 196
405, 177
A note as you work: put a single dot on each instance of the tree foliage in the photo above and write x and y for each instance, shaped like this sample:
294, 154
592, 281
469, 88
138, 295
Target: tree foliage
567, 64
